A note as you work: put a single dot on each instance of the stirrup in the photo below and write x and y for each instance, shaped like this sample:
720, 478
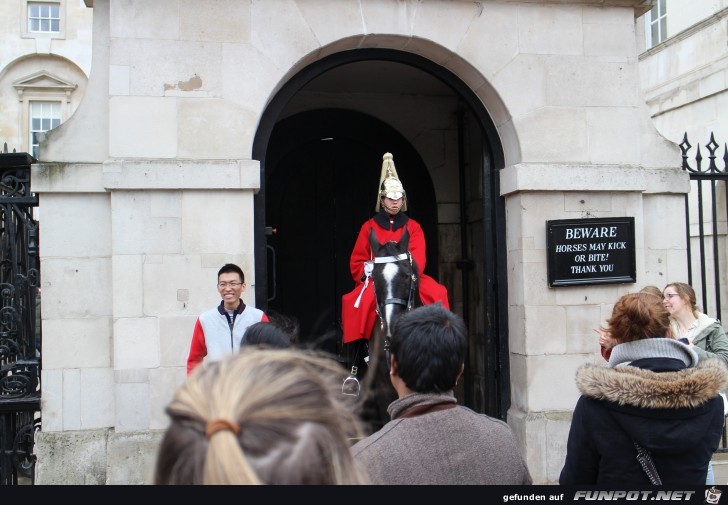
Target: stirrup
351, 386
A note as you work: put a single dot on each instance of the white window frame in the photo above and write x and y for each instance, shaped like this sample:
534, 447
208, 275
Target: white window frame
46, 113
657, 16
60, 34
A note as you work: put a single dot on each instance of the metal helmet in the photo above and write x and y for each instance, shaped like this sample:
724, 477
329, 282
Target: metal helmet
389, 183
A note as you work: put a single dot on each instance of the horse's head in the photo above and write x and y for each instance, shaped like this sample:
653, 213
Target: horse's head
395, 280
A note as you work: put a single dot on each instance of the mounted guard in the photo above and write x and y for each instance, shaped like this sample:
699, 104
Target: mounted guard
359, 307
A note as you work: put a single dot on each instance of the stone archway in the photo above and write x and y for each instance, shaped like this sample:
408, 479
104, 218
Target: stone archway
467, 207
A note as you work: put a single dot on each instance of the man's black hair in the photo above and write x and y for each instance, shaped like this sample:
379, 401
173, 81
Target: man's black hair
266, 334
286, 322
231, 267
430, 344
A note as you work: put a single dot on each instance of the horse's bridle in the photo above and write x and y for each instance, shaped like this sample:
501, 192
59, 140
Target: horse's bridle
408, 304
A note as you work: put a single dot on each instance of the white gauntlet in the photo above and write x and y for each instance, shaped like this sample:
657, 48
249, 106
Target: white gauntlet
368, 267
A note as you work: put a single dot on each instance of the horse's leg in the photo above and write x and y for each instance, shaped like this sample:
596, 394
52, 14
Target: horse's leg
358, 354
385, 391
377, 390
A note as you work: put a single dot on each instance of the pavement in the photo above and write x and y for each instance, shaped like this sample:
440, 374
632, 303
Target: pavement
720, 468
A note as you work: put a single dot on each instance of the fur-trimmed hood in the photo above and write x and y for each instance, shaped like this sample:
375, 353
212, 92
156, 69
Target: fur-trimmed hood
636, 387
675, 413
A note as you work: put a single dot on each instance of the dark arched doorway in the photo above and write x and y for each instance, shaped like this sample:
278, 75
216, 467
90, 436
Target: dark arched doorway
323, 169
305, 175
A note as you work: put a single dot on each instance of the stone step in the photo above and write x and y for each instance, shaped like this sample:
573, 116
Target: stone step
720, 468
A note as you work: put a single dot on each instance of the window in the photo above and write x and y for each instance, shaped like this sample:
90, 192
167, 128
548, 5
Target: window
44, 17
656, 24
46, 102
43, 117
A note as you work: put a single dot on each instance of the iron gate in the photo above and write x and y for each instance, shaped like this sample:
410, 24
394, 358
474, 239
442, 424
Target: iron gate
19, 328
706, 237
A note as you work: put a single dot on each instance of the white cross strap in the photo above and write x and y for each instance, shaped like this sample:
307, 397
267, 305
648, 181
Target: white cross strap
391, 259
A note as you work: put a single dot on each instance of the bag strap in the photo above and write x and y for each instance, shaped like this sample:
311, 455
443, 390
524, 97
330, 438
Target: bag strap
645, 459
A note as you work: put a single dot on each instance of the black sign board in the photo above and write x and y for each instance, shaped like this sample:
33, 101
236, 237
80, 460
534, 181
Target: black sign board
591, 251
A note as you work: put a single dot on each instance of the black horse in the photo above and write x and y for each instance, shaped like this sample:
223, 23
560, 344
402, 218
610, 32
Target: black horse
396, 288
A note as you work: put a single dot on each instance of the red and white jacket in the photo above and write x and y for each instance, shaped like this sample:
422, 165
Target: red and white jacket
217, 335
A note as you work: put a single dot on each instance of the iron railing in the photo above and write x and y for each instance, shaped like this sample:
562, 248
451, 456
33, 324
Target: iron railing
19, 330
708, 241
710, 231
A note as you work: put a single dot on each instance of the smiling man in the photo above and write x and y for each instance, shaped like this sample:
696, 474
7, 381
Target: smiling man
219, 331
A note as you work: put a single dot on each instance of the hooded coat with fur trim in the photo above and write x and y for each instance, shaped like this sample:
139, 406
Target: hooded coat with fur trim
674, 411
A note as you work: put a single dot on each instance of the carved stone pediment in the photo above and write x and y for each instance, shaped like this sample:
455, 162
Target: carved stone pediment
45, 82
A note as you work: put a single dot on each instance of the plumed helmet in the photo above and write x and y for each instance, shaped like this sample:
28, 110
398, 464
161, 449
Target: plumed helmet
389, 183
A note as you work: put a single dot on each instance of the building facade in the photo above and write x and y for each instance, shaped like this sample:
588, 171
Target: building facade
683, 71
45, 61
684, 74
253, 132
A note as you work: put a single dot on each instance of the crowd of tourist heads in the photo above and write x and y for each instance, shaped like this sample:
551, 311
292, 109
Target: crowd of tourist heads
263, 416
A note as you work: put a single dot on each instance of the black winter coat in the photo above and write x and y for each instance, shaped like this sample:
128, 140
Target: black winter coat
676, 414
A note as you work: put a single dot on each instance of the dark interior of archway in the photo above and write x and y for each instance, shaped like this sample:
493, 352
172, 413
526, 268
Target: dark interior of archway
322, 171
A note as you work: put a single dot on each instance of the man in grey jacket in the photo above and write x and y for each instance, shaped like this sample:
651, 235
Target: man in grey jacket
430, 439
